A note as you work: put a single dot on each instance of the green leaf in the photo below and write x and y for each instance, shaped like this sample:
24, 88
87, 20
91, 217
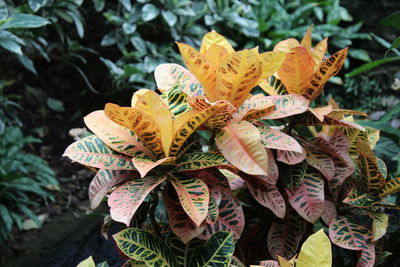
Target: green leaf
392, 20
55, 104
360, 54
198, 161
217, 251
169, 17
175, 99
36, 4
23, 21
99, 5
27, 63
142, 246
6, 217
370, 66
3, 10
149, 12
11, 46
292, 175
89, 262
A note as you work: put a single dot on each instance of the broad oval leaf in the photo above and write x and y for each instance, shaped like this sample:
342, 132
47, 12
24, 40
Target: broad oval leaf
127, 198
285, 106
271, 63
346, 233
380, 222
241, 145
319, 159
91, 151
360, 200
253, 109
286, 45
292, 175
308, 199
142, 246
213, 38
315, 251
114, 135
104, 181
284, 236
291, 157
198, 161
271, 138
194, 196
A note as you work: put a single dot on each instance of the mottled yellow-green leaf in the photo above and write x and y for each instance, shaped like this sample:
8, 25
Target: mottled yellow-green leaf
379, 225
391, 187
213, 38
271, 62
316, 251
318, 51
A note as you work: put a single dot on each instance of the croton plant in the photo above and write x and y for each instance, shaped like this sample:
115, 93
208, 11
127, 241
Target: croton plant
183, 165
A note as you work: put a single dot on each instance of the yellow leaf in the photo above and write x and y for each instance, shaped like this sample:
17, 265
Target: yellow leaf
316, 251
136, 96
140, 123
284, 262
379, 225
216, 54
319, 51
297, 70
240, 143
151, 104
286, 45
320, 112
211, 38
325, 71
271, 62
201, 67
267, 87
307, 40
89, 262
236, 76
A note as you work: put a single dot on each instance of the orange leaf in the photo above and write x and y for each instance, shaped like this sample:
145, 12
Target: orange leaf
307, 40
286, 45
216, 54
320, 112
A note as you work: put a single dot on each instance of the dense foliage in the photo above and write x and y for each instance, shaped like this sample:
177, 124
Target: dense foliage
304, 163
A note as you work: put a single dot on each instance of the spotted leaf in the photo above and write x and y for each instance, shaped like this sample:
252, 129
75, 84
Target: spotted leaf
271, 62
390, 187
91, 151
198, 161
273, 86
176, 101
193, 195
240, 143
286, 106
346, 233
254, 109
308, 199
291, 157
271, 138
127, 198
319, 159
292, 175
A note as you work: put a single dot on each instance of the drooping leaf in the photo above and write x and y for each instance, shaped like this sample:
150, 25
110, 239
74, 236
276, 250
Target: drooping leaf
317, 158
230, 218
104, 181
346, 233
379, 225
367, 257
216, 182
140, 123
183, 251
144, 163
179, 221
285, 106
198, 161
291, 157
266, 194
292, 175
284, 236
142, 246
176, 101
126, 199
193, 195
329, 212
316, 251
241, 145
311, 120
171, 75
324, 72
390, 187
114, 135
236, 76
213, 38
320, 112
216, 252
308, 199
91, 151
202, 68
271, 138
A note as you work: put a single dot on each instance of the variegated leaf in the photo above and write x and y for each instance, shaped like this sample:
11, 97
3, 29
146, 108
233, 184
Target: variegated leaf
241, 145
360, 200
292, 175
340, 113
286, 45
213, 211
380, 222
311, 120
140, 123
319, 51
144, 164
321, 112
202, 68
285, 106
176, 101
308, 199
187, 123
271, 62
126, 199
269, 263
266, 194
297, 70
324, 72
213, 38
142, 246
273, 86
390, 187
216, 54
253, 109
216, 182
198, 161
291, 157
367, 257
236, 76
235, 181
194, 196
271, 138
230, 218
329, 212
319, 159
169, 76
91, 151
346, 233
306, 42
179, 221
114, 135
104, 181
382, 167
284, 236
